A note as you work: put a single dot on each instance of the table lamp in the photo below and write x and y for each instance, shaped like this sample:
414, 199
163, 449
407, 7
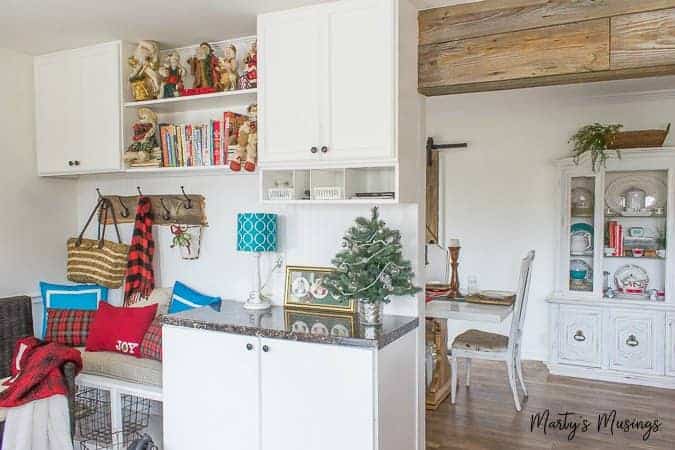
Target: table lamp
257, 234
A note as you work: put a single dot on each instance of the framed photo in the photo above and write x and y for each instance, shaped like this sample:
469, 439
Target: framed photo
305, 290
318, 324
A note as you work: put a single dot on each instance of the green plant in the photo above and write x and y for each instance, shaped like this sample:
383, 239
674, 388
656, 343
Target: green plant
594, 139
370, 268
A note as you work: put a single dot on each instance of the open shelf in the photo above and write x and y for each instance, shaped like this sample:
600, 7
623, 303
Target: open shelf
221, 100
220, 170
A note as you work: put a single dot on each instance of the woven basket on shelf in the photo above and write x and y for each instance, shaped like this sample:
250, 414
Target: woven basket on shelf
639, 139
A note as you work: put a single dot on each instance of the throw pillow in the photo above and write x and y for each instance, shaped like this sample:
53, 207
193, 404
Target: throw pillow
119, 329
69, 326
151, 346
63, 296
160, 296
185, 298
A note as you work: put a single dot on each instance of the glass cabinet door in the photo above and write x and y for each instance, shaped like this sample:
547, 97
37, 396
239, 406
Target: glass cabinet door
581, 233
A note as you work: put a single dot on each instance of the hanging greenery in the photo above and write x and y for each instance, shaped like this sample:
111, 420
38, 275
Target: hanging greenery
370, 268
595, 139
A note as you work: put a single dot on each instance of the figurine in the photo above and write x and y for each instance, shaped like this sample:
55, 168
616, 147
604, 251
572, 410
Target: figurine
249, 79
172, 76
144, 78
204, 66
227, 70
144, 149
248, 143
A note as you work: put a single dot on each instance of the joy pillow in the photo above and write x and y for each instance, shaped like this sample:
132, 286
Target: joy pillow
118, 329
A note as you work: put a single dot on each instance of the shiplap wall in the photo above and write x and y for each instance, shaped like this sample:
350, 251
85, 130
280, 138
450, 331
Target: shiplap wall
38, 213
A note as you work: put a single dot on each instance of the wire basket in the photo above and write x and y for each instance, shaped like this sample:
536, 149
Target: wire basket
327, 193
93, 416
119, 441
276, 194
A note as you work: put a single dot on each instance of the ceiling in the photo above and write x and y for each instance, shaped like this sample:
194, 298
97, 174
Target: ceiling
42, 26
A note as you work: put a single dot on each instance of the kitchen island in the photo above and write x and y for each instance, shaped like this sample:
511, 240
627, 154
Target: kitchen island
287, 380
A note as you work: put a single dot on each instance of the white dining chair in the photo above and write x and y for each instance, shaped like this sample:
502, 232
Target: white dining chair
476, 344
437, 267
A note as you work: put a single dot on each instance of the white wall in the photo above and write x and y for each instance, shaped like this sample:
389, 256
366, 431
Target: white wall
499, 196
308, 234
38, 214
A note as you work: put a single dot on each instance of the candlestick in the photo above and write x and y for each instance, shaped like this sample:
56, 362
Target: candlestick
454, 263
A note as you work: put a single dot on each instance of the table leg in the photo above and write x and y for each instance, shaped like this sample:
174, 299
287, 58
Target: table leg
437, 335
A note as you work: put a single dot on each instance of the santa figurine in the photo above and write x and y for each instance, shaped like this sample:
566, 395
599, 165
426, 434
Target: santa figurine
249, 79
247, 153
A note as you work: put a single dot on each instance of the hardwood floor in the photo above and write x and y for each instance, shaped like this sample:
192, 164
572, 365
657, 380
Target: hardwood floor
484, 416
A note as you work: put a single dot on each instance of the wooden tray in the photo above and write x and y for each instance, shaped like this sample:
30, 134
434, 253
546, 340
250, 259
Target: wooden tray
488, 299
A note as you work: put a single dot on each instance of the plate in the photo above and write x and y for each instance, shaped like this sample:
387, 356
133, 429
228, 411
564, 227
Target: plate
339, 330
318, 290
657, 193
319, 329
497, 294
300, 327
582, 227
631, 279
300, 287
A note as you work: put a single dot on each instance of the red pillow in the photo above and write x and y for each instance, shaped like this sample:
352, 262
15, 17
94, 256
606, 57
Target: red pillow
69, 326
151, 346
117, 329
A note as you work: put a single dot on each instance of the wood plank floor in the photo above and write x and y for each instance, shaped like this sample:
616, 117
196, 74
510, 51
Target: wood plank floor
484, 416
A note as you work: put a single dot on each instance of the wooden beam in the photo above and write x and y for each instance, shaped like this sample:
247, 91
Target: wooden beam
553, 80
643, 40
556, 50
500, 16
178, 213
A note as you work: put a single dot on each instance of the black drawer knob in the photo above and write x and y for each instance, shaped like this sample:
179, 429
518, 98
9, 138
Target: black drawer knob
313, 149
249, 347
632, 341
265, 348
324, 149
579, 336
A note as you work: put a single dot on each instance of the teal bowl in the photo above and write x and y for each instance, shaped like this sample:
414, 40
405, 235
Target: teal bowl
578, 274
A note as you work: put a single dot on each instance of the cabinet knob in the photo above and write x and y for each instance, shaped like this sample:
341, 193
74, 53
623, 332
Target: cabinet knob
632, 341
579, 336
77, 163
249, 347
71, 163
313, 149
265, 348
324, 149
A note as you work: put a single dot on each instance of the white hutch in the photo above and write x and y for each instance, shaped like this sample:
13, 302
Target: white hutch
613, 306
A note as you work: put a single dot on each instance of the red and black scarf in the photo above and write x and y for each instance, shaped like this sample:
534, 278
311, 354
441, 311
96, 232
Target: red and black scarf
140, 277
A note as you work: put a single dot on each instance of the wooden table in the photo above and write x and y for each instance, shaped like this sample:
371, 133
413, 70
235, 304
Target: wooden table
438, 312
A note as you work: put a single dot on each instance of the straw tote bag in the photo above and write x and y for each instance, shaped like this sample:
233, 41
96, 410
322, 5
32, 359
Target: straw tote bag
97, 260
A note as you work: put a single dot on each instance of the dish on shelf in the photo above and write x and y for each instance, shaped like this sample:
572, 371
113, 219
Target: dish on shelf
582, 202
631, 279
581, 239
580, 270
655, 190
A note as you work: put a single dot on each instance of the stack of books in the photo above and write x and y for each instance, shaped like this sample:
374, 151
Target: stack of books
200, 145
616, 238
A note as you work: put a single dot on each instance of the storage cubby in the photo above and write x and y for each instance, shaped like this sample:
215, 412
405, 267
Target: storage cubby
371, 183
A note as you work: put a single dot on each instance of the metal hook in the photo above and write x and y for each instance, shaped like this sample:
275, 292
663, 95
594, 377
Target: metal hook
138, 188
167, 213
98, 191
125, 211
188, 201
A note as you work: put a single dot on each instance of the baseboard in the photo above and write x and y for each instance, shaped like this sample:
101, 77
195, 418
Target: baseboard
593, 373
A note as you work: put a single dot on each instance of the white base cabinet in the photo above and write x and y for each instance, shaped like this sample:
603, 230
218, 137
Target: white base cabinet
249, 393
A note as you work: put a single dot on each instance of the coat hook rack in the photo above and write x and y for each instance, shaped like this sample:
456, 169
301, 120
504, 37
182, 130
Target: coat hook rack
431, 146
188, 201
98, 191
125, 211
167, 213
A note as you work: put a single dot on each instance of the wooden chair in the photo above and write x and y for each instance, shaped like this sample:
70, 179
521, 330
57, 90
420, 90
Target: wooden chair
476, 344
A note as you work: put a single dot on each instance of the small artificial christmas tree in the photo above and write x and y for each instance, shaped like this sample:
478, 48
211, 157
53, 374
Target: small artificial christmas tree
370, 268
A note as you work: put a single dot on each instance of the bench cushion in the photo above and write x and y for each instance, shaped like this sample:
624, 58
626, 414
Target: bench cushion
481, 341
122, 367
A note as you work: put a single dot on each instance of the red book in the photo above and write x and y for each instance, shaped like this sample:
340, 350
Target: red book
165, 149
612, 235
217, 156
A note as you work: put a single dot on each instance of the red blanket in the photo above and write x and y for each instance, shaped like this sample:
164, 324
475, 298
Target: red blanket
36, 371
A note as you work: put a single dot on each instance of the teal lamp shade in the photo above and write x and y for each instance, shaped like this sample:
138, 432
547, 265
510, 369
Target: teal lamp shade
256, 232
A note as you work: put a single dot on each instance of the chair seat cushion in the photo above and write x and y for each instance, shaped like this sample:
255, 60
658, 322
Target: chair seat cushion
480, 341
122, 367
3, 411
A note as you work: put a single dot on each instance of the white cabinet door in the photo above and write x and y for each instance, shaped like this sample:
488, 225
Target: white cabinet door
291, 75
359, 110
211, 390
55, 117
100, 104
579, 336
637, 341
317, 396
670, 344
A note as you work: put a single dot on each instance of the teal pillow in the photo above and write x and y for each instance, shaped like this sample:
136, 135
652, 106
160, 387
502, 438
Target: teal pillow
185, 298
68, 296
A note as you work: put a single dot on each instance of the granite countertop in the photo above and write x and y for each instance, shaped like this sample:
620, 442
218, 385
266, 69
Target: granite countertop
297, 325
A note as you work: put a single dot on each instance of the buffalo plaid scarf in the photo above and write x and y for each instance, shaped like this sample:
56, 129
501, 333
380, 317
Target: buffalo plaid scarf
140, 277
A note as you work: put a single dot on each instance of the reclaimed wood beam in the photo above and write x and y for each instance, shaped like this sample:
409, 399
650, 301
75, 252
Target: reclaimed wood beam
642, 40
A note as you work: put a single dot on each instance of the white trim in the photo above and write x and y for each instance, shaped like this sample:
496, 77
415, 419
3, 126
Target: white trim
611, 376
97, 291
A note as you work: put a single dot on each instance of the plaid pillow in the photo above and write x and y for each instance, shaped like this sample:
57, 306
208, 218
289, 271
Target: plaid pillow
151, 345
69, 326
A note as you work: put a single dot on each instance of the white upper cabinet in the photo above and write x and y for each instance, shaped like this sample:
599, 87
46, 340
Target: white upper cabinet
327, 83
77, 110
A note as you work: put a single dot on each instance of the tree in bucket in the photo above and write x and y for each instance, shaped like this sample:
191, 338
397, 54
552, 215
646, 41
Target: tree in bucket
188, 239
370, 268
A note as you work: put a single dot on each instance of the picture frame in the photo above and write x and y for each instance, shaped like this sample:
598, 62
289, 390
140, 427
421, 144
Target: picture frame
320, 324
303, 290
